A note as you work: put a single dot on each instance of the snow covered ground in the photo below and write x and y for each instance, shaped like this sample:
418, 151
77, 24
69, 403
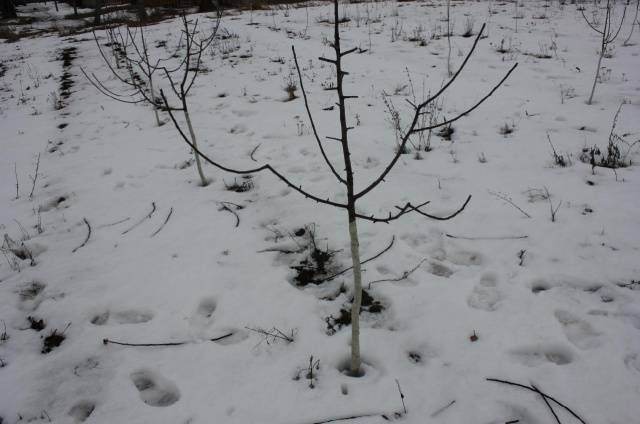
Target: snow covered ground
559, 308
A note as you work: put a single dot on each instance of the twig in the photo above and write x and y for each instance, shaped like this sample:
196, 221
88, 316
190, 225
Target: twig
113, 223
510, 383
86, 239
521, 255
442, 409
274, 334
25, 234
224, 207
147, 216
559, 160
35, 177
351, 417
254, 151
551, 208
376, 256
15, 171
404, 275
509, 201
164, 223
548, 404
401, 396
487, 237
109, 341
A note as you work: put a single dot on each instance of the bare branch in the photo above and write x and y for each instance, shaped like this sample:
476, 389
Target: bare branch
266, 167
87, 238
311, 120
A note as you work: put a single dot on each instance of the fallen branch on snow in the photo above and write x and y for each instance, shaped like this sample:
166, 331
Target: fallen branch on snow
164, 223
147, 216
404, 275
86, 239
109, 341
487, 237
544, 396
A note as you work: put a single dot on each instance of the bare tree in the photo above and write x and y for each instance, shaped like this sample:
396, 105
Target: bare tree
131, 48
634, 22
609, 33
347, 179
130, 56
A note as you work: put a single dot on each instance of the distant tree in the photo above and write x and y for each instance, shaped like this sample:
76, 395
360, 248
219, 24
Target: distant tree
138, 70
98, 12
609, 32
205, 6
141, 11
8, 9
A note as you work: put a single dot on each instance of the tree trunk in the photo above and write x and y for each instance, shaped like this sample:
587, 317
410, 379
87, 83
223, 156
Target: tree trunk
203, 179
155, 107
595, 80
357, 294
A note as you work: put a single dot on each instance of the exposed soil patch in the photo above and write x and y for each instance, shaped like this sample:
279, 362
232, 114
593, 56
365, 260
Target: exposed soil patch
317, 264
369, 304
52, 341
36, 324
67, 56
246, 184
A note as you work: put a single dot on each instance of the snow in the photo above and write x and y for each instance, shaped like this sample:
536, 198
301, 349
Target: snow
561, 320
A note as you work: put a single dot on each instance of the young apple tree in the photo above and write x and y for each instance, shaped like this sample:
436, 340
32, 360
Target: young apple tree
346, 178
131, 48
609, 32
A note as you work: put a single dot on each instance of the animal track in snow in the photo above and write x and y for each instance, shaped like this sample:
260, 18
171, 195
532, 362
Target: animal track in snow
534, 356
130, 316
86, 367
82, 410
439, 270
539, 286
485, 295
154, 389
203, 315
578, 331
627, 317
31, 296
632, 361
462, 257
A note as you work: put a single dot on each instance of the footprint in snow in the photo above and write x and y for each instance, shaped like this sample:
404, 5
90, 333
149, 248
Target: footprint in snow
578, 331
632, 361
154, 389
130, 316
630, 318
485, 294
465, 258
82, 410
31, 295
439, 270
539, 355
203, 315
